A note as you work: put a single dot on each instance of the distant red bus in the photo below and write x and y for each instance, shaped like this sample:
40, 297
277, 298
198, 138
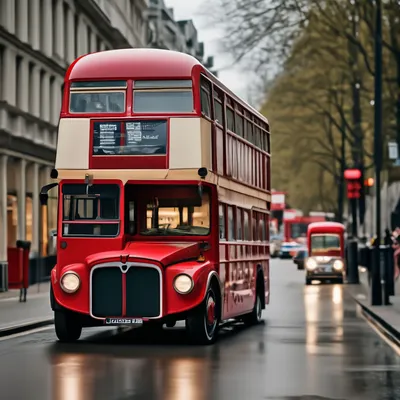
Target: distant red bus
163, 179
295, 229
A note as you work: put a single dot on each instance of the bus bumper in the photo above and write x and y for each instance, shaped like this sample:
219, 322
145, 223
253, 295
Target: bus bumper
146, 292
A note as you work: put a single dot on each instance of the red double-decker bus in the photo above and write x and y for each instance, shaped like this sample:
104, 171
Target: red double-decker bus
163, 179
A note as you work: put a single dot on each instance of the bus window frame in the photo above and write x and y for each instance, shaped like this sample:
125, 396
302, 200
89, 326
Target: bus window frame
120, 221
97, 90
169, 89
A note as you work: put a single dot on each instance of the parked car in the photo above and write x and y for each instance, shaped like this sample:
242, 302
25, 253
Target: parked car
289, 249
300, 258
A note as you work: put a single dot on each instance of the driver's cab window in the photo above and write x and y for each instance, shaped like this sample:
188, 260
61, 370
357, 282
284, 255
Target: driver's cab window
178, 212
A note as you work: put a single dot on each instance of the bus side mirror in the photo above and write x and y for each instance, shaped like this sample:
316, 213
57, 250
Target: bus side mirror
44, 197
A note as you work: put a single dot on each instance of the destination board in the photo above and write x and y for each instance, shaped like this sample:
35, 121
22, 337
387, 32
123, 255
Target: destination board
130, 138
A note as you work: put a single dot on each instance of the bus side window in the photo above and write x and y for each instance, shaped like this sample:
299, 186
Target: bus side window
231, 224
246, 225
255, 226
222, 234
205, 97
239, 224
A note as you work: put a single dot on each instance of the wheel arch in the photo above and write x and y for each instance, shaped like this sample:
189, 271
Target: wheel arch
214, 280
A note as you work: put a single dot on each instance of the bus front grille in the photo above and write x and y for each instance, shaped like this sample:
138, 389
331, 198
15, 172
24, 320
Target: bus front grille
106, 292
143, 292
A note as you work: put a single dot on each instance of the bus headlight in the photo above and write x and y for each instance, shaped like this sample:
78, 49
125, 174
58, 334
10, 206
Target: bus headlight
70, 282
183, 284
311, 264
338, 265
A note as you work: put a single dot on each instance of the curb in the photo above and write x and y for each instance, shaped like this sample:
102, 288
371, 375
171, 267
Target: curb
23, 327
393, 335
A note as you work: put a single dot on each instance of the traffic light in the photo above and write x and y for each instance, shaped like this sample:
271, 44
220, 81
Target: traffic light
369, 184
354, 186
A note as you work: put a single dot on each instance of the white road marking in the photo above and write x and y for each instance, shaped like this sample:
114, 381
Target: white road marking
382, 336
26, 333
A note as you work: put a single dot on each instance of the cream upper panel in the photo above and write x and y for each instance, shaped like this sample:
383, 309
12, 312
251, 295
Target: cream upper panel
189, 143
73, 143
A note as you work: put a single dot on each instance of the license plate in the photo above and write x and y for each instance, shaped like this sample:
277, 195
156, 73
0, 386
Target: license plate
124, 321
326, 268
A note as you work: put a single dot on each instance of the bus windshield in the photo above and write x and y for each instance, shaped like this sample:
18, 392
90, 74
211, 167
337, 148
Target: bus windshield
93, 212
177, 212
326, 242
298, 230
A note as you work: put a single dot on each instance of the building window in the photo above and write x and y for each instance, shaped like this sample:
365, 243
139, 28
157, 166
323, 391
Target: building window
31, 91
18, 81
12, 220
28, 218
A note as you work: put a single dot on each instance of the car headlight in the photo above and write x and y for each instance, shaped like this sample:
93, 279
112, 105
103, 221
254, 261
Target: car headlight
311, 264
338, 265
183, 284
70, 282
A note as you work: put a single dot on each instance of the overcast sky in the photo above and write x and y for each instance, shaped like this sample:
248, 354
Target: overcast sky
230, 76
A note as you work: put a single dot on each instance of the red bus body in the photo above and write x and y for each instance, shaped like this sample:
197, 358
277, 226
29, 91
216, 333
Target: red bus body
295, 229
136, 259
326, 251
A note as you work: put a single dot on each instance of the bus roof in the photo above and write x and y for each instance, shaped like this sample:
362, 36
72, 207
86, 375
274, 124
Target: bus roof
143, 64
138, 63
335, 226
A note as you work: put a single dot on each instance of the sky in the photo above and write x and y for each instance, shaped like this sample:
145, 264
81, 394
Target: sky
231, 76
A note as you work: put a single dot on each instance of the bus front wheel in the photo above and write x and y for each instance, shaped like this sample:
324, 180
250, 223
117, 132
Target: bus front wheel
68, 327
202, 325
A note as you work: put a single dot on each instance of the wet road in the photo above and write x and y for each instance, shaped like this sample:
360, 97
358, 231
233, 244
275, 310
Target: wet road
313, 345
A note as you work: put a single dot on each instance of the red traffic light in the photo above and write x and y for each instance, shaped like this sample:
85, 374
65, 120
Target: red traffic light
353, 190
352, 174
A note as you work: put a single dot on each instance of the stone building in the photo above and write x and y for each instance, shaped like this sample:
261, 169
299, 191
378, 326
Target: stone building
167, 33
38, 40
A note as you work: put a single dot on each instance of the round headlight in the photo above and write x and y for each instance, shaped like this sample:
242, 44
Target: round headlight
70, 282
183, 284
338, 265
311, 264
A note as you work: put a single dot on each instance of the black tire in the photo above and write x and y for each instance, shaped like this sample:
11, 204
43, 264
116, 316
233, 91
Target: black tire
198, 324
308, 281
339, 281
255, 316
68, 327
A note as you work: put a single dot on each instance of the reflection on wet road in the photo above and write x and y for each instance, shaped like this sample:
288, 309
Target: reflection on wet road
313, 345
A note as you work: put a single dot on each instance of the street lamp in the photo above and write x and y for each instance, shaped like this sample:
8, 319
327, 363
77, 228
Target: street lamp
376, 289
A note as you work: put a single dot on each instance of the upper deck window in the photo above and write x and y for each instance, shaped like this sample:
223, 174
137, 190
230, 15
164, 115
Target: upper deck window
98, 97
163, 96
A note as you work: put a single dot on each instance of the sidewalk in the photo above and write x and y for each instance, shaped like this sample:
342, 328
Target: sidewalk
385, 318
17, 317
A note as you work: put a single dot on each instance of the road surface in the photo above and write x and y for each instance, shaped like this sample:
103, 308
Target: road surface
313, 345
